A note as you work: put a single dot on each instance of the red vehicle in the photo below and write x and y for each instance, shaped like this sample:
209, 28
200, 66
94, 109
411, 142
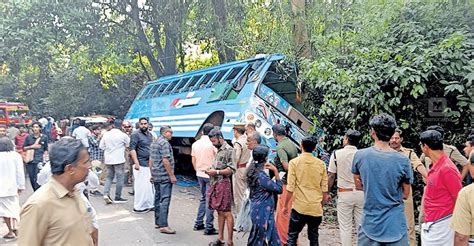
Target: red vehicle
11, 112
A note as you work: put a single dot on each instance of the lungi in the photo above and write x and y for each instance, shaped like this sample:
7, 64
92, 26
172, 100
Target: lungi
10, 207
437, 233
144, 197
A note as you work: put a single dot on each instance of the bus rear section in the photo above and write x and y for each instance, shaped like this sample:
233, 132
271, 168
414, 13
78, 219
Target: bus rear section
13, 112
242, 91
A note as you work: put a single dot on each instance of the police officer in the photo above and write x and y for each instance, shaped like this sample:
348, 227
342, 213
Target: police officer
242, 156
396, 144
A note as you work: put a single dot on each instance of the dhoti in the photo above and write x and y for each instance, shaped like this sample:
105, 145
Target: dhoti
144, 195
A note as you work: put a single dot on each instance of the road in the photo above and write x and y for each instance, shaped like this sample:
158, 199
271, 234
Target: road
119, 226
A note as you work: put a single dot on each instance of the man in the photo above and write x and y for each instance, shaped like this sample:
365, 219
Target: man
150, 128
39, 144
463, 217
223, 167
253, 140
242, 155
114, 143
82, 133
308, 187
127, 129
12, 131
3, 131
20, 140
140, 154
97, 157
250, 128
203, 154
396, 144
385, 177
469, 152
56, 213
162, 170
286, 151
442, 187
350, 201
453, 153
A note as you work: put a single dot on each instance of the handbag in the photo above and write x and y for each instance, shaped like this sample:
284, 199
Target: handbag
30, 154
220, 195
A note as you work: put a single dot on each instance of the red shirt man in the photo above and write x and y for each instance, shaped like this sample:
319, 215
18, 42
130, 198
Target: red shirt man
442, 188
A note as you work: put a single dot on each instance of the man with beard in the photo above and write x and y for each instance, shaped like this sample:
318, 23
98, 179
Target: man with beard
140, 142
220, 194
56, 213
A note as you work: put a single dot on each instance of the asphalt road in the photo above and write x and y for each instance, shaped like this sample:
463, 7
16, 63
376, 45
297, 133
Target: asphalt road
119, 226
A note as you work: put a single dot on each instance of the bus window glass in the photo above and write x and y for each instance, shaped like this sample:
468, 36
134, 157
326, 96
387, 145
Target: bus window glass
191, 84
146, 91
180, 85
15, 114
2, 113
152, 92
205, 82
169, 87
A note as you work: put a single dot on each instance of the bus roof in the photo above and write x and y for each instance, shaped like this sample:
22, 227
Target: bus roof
273, 57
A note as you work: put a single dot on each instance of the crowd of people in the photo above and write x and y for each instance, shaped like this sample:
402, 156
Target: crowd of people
279, 197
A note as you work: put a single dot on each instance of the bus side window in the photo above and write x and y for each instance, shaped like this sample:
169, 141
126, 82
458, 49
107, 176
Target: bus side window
191, 83
217, 78
162, 88
204, 81
153, 91
180, 85
146, 91
233, 74
169, 87
2, 113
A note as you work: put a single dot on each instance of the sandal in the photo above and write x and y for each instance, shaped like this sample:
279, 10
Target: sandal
9, 236
167, 230
157, 226
217, 243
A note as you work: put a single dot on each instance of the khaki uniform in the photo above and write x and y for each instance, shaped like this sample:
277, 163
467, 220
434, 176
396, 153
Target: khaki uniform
350, 202
453, 154
463, 215
409, 210
242, 156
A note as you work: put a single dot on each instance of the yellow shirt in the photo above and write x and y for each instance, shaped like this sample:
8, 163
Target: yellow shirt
463, 215
52, 216
307, 179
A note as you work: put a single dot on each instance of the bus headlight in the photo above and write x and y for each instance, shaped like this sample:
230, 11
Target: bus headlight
268, 131
258, 123
250, 117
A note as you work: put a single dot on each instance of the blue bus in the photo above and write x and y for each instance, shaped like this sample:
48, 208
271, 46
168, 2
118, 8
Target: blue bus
261, 90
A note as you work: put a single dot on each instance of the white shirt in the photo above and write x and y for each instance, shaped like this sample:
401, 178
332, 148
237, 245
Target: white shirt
82, 133
114, 143
12, 177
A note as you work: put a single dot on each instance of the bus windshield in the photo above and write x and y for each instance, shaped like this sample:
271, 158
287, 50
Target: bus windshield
15, 114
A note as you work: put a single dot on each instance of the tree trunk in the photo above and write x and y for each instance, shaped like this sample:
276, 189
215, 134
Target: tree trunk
144, 45
224, 52
300, 31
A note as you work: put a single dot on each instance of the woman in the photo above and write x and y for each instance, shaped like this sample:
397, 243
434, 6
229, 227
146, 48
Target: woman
262, 189
12, 182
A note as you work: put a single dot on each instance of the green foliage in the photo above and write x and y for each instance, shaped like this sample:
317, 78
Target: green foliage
393, 59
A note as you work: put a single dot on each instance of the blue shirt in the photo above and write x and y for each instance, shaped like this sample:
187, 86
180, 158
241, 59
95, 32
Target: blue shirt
382, 174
